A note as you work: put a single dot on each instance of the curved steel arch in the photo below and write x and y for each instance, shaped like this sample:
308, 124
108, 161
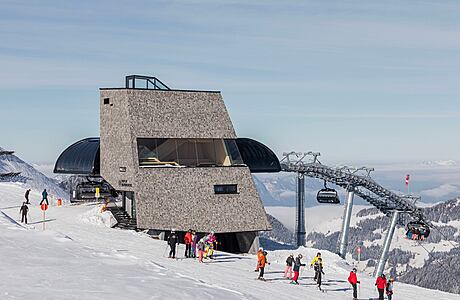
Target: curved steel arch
81, 157
364, 186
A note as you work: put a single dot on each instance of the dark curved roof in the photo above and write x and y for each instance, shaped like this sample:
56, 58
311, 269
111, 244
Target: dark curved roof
258, 157
80, 158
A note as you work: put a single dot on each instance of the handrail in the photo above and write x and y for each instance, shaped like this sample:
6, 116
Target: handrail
130, 82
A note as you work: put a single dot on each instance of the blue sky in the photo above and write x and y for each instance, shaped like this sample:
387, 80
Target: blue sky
356, 80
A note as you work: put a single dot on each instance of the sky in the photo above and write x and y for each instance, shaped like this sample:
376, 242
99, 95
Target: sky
374, 81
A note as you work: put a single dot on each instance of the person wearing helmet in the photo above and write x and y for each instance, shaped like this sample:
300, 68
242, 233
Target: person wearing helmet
261, 264
389, 288
288, 269
314, 264
381, 284
210, 241
172, 242
353, 280
260, 253
297, 264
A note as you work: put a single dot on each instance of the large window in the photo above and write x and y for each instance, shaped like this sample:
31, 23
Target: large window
188, 152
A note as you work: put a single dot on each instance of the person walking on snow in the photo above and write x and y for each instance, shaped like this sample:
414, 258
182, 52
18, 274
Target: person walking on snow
188, 243
260, 253
44, 197
389, 289
381, 284
296, 268
288, 269
23, 211
261, 264
319, 271
27, 196
172, 242
313, 264
353, 280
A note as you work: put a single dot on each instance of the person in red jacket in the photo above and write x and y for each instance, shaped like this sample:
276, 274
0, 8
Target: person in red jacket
188, 243
353, 280
381, 283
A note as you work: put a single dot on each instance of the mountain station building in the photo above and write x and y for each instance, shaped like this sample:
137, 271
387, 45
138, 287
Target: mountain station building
176, 161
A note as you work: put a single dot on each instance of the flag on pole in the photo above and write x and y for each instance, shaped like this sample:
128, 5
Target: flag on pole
407, 179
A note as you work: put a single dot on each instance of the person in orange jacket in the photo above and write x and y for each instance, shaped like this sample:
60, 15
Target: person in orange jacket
261, 262
381, 284
188, 243
260, 253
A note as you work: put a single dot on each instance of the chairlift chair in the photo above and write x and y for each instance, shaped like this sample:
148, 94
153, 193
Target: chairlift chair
327, 195
417, 230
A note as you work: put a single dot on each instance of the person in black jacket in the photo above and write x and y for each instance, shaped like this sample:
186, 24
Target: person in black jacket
297, 265
288, 269
27, 196
23, 211
319, 272
172, 242
45, 197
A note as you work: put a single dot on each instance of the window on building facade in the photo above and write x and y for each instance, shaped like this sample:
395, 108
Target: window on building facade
225, 189
188, 152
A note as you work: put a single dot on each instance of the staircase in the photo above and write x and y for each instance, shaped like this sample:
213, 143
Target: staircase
124, 221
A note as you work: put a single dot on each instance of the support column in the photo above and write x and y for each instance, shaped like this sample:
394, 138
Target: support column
387, 243
300, 211
346, 222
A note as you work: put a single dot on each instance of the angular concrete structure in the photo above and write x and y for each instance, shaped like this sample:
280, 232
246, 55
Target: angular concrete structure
175, 158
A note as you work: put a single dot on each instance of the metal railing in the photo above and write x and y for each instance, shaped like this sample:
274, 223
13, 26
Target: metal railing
144, 82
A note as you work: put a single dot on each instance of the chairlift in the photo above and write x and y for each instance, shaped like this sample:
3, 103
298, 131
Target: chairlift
327, 195
417, 230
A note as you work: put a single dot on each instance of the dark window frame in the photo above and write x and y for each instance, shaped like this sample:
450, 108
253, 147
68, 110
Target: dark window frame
225, 189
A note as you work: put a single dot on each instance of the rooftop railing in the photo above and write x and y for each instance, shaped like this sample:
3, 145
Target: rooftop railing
145, 82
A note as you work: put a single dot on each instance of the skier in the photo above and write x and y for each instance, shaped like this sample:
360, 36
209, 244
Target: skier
381, 283
188, 243
172, 241
27, 196
210, 239
23, 211
353, 280
194, 243
200, 247
297, 265
260, 253
288, 269
261, 264
319, 271
313, 264
45, 197
390, 289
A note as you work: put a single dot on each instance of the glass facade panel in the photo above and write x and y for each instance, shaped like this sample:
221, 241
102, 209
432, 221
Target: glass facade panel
188, 152
233, 152
206, 152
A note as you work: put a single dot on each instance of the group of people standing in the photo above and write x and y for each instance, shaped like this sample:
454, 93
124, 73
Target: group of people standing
383, 286
194, 245
292, 271
294, 265
24, 210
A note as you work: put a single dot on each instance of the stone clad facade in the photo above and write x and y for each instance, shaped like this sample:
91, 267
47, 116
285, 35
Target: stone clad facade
177, 197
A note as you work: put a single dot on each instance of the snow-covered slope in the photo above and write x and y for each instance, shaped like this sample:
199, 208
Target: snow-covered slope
76, 258
34, 179
409, 260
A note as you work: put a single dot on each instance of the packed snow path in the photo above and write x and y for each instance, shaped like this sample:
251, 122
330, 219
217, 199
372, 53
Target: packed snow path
74, 258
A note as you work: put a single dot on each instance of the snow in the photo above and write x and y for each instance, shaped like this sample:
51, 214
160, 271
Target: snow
79, 257
36, 180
